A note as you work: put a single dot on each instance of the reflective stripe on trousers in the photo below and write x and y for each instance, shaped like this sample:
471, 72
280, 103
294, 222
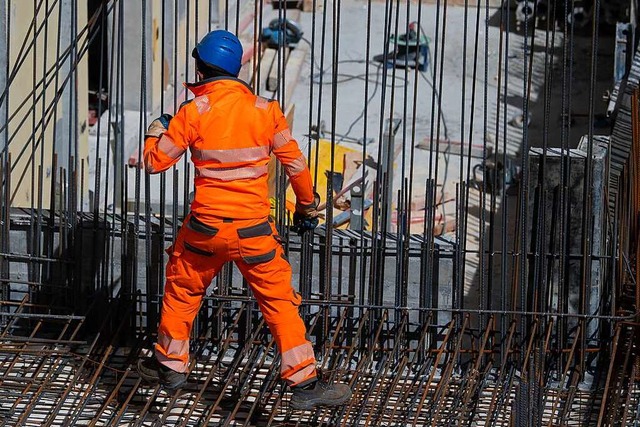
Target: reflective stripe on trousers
198, 254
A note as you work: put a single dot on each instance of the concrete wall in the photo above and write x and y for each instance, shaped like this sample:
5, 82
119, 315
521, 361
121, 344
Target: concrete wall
599, 237
73, 111
131, 25
567, 293
179, 27
49, 114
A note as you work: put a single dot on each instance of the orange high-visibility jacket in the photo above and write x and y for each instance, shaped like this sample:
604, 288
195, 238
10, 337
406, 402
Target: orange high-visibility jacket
231, 133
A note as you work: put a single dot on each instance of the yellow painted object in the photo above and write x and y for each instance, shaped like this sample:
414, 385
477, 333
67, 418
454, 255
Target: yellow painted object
274, 205
323, 166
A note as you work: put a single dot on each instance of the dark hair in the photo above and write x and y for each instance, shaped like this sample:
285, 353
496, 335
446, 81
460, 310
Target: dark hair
207, 70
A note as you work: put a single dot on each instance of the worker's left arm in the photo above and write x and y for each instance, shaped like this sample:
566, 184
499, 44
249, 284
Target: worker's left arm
286, 149
166, 140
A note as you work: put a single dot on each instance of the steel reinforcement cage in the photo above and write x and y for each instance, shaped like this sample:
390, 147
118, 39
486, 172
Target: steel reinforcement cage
477, 264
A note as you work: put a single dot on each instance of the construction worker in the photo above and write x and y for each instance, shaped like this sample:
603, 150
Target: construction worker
231, 133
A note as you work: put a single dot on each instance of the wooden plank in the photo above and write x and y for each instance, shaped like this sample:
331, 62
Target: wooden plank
456, 148
293, 69
248, 63
245, 15
267, 60
307, 5
273, 78
286, 4
419, 202
441, 224
352, 162
288, 115
222, 10
245, 32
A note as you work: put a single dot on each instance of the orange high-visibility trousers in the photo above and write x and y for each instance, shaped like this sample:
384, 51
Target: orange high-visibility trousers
198, 254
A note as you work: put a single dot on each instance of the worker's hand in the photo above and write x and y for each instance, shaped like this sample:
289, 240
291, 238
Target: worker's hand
302, 223
305, 217
310, 210
158, 126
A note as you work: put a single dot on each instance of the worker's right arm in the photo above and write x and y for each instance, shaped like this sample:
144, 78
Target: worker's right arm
166, 140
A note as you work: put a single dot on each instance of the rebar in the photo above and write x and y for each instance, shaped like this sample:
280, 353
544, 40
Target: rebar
491, 277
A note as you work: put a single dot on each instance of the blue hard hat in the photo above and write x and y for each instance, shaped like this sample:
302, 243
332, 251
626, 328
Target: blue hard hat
220, 49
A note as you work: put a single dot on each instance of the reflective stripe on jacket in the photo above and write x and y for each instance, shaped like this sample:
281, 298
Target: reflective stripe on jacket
231, 133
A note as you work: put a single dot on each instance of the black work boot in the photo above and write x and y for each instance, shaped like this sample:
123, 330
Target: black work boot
320, 393
155, 372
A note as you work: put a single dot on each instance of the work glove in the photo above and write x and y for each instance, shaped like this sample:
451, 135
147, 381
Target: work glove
302, 224
158, 126
305, 217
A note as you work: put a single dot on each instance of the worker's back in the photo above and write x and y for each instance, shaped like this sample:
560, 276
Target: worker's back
230, 135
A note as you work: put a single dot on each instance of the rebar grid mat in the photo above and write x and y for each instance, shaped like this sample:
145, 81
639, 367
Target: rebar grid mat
440, 375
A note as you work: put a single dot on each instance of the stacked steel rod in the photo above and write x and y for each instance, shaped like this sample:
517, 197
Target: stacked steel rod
492, 281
